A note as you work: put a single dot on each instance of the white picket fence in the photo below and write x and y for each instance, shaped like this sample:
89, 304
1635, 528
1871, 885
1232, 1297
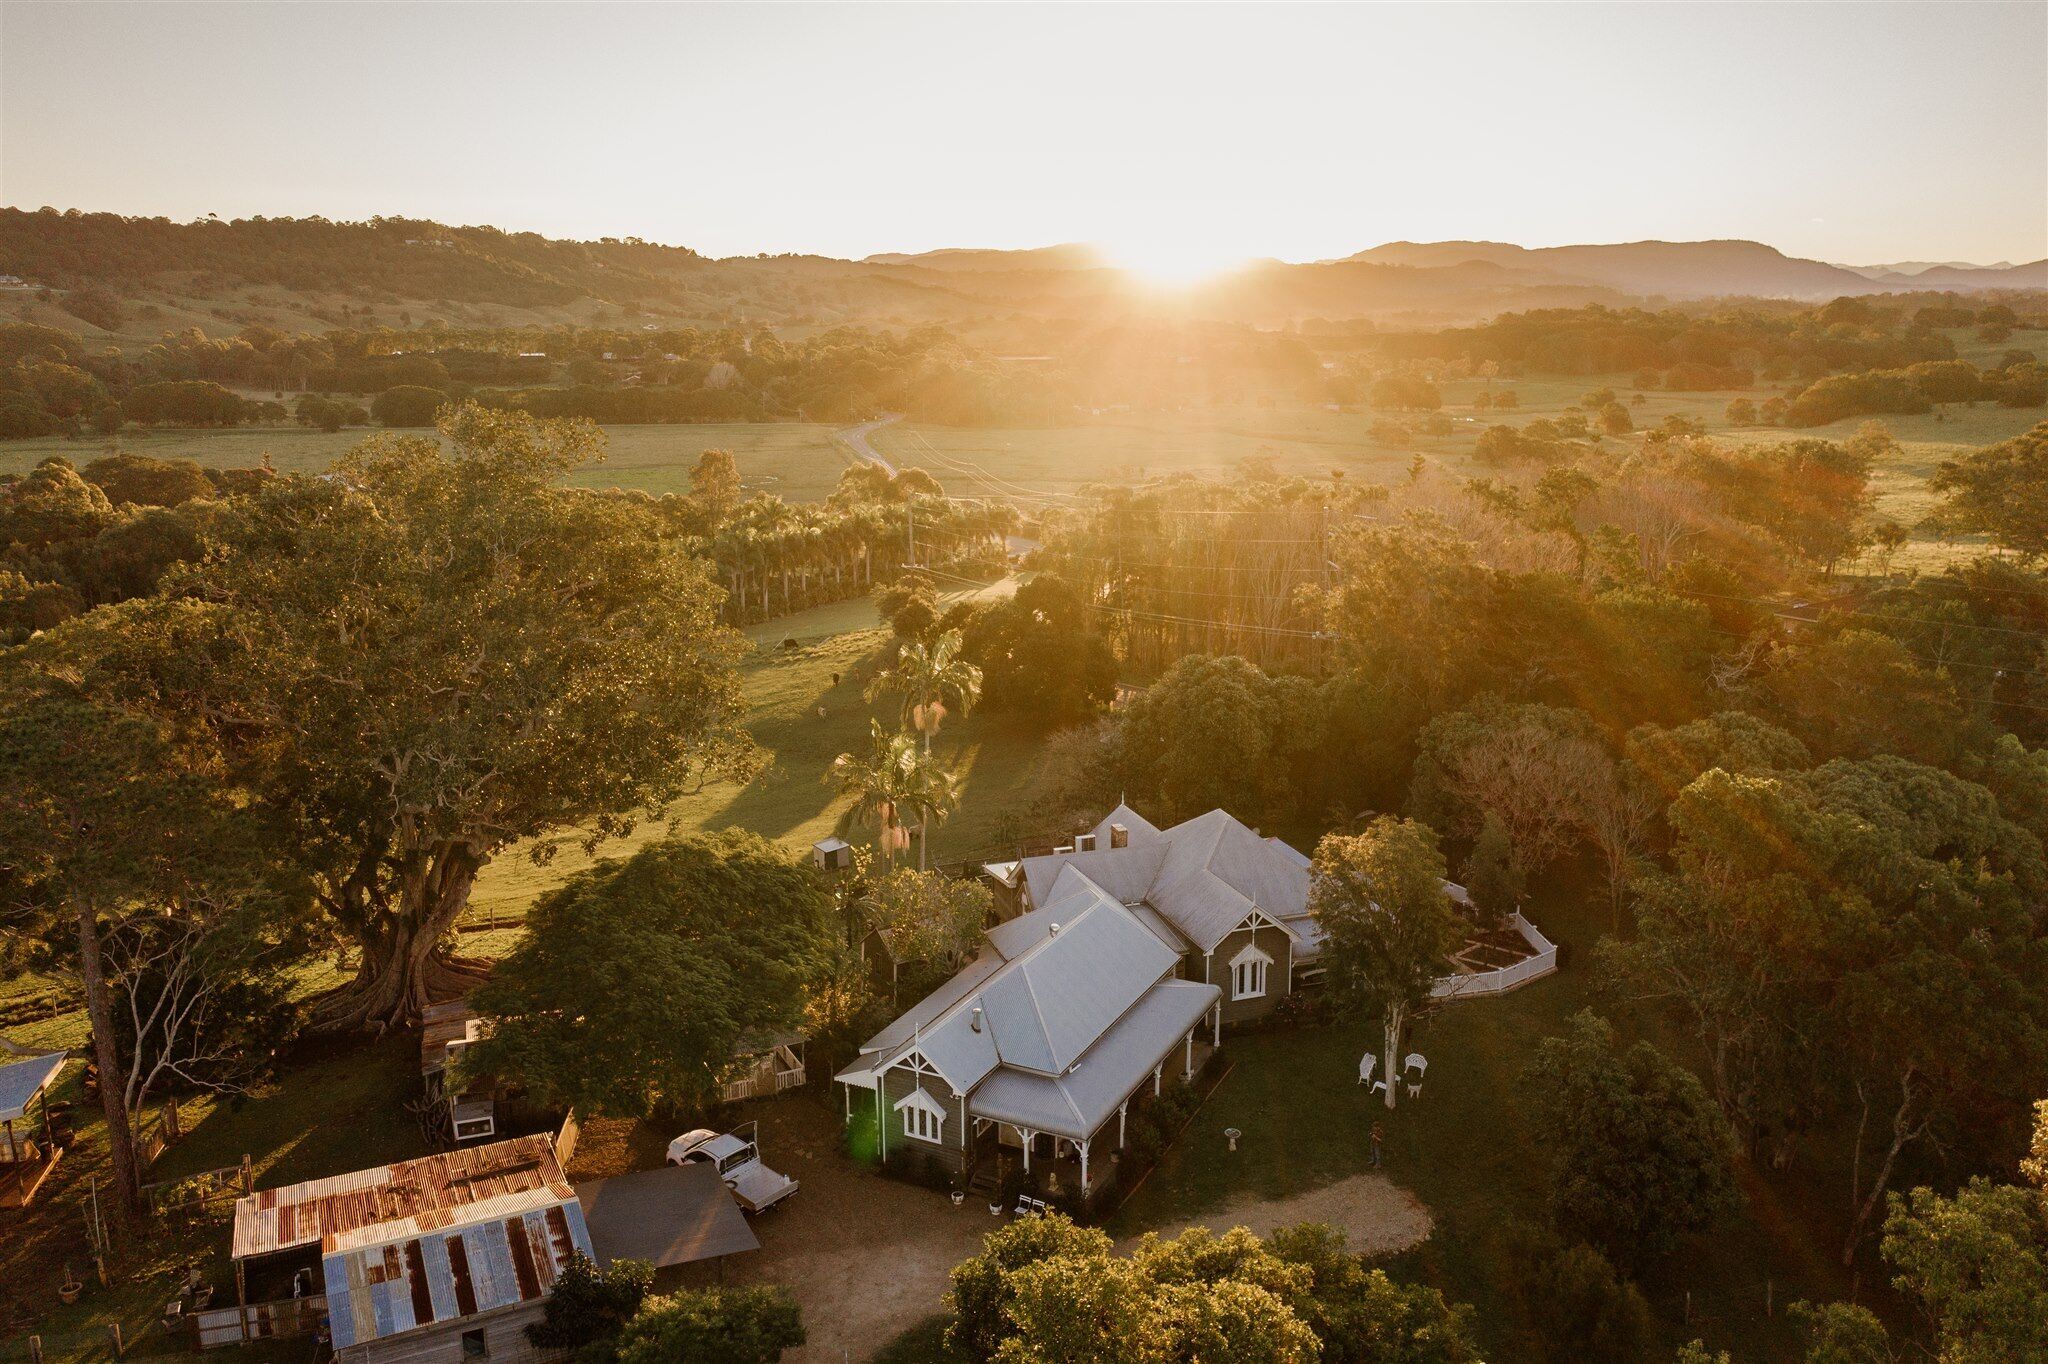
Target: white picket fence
1507, 977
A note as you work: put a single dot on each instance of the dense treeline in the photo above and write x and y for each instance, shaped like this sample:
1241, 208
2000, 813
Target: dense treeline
1769, 342
414, 259
1896, 361
1819, 807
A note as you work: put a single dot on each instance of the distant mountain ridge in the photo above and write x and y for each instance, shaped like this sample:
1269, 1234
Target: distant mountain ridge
101, 274
1670, 269
1677, 270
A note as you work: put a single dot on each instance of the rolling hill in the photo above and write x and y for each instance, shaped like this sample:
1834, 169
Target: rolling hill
106, 277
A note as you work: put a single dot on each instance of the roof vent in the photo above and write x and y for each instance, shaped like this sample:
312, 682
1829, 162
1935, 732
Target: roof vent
1053, 930
974, 1019
1119, 836
1084, 843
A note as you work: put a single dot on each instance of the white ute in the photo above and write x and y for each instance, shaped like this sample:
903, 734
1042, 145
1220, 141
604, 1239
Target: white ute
738, 1159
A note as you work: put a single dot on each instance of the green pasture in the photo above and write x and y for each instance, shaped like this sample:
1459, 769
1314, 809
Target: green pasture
799, 461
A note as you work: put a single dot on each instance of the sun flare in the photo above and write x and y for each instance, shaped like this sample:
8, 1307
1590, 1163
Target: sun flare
1172, 261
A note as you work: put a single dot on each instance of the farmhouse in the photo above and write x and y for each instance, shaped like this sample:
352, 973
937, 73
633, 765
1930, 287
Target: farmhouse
439, 1260
1131, 945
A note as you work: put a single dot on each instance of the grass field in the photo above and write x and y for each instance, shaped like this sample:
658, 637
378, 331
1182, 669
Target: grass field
799, 461
802, 461
804, 707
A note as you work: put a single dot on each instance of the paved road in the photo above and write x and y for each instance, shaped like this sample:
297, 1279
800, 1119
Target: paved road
856, 440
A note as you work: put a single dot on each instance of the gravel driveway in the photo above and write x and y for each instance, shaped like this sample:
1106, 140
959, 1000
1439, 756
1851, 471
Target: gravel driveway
868, 1257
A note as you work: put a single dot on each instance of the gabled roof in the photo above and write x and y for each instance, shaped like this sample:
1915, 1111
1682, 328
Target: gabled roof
1204, 876
1046, 987
385, 1287
1079, 1101
404, 1199
21, 1081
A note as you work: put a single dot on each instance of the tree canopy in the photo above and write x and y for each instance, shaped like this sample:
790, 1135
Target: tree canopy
639, 980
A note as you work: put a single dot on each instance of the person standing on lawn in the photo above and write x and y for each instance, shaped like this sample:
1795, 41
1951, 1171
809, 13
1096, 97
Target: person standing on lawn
1377, 1134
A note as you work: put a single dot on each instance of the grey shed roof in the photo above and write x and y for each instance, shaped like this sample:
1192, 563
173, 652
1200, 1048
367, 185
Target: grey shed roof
672, 1216
1204, 875
21, 1081
1075, 1104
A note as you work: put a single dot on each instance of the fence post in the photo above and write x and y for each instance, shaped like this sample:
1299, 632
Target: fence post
35, 1350
114, 1332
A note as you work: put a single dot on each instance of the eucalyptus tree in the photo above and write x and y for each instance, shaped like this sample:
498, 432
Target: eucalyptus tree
133, 867
1380, 896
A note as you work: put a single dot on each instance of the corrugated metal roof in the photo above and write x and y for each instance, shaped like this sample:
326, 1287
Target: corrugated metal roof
1203, 875
399, 1285
921, 1014
1078, 1102
21, 1081
431, 1193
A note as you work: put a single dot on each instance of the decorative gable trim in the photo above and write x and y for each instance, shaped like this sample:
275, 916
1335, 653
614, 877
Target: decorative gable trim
923, 1116
914, 1061
1248, 972
1258, 918
1250, 952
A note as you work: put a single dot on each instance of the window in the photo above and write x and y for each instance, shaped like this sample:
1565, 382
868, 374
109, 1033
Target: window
473, 1346
923, 1117
1248, 973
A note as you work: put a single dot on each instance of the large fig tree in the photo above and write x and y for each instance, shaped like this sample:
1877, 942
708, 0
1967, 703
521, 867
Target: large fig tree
435, 652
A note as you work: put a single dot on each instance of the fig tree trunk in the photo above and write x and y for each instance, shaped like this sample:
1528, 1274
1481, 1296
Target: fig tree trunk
406, 963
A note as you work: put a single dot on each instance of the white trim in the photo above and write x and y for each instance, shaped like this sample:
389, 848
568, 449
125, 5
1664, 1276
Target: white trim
923, 1117
1248, 971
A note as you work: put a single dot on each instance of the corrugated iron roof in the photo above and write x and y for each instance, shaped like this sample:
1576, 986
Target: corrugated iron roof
21, 1081
1203, 875
411, 1196
403, 1284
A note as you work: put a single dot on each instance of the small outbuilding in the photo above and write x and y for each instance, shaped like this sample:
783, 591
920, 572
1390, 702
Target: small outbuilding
442, 1260
26, 1160
832, 854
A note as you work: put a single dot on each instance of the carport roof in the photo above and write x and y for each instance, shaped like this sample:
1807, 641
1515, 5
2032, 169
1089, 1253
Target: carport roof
676, 1215
21, 1081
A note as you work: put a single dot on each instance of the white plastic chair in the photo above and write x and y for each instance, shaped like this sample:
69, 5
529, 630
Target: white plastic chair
1417, 1066
1365, 1068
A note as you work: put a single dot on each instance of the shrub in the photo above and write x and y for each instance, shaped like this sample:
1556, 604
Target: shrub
714, 1326
1581, 1309
590, 1306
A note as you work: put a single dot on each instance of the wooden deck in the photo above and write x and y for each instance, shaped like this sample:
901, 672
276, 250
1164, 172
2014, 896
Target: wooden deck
20, 1179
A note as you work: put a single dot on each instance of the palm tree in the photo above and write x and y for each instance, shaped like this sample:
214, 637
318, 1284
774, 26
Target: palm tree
895, 786
929, 678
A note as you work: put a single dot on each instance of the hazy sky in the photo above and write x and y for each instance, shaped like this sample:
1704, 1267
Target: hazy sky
1848, 132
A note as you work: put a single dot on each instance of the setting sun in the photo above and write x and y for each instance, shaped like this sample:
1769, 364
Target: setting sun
1172, 261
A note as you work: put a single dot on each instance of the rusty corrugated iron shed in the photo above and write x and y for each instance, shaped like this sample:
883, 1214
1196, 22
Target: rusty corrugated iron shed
407, 1198
387, 1289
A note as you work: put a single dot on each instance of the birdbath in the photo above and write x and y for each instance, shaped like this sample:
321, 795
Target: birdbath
1231, 1134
